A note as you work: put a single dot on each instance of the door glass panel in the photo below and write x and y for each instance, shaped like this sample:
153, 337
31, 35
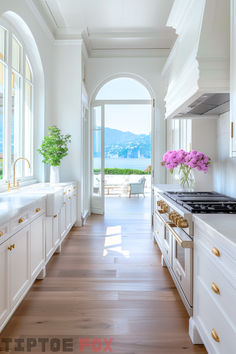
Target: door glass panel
2, 112
2, 43
16, 54
180, 255
97, 117
16, 122
28, 73
97, 162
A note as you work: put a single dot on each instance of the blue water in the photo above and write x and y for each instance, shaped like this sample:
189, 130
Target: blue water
140, 164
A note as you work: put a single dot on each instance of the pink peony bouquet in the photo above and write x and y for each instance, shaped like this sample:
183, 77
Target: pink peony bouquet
186, 161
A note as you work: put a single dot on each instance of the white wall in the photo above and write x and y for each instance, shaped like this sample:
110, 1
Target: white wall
149, 71
204, 139
225, 167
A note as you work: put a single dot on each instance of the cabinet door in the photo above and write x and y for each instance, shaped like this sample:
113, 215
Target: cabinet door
49, 237
63, 221
56, 230
4, 296
68, 213
37, 246
19, 265
73, 209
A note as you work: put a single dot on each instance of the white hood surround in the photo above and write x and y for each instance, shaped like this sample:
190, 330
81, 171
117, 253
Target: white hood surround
199, 61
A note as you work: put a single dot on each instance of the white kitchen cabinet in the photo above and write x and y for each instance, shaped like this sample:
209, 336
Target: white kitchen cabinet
73, 208
19, 264
56, 230
49, 242
4, 270
37, 246
68, 213
63, 221
214, 314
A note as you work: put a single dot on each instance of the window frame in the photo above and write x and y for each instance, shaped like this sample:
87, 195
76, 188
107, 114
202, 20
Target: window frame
11, 33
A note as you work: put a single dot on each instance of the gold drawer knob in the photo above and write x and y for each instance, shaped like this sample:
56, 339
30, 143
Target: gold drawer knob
54, 216
215, 335
11, 247
215, 288
1, 233
37, 210
20, 220
69, 190
215, 251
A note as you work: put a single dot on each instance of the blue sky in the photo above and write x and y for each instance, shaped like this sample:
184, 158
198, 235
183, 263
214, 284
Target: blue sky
134, 118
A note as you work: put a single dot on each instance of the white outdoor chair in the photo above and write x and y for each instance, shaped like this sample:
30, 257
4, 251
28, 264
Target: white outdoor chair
138, 187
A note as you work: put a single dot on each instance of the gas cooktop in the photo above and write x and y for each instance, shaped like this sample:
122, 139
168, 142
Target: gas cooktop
204, 202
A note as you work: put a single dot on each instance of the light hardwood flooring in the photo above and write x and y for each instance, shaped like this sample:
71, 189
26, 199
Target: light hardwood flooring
108, 282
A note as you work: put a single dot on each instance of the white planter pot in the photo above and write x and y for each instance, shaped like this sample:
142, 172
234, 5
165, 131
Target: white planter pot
54, 174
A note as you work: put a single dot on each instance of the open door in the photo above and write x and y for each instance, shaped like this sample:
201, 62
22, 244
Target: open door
97, 170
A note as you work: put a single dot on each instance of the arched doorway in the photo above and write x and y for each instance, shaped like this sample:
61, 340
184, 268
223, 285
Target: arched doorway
123, 108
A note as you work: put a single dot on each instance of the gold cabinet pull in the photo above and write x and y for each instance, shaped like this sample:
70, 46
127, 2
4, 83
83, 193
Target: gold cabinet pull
54, 216
10, 248
215, 335
13, 246
215, 288
215, 251
20, 220
1, 233
37, 210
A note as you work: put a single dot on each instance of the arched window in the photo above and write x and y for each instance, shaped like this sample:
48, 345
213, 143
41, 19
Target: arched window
16, 103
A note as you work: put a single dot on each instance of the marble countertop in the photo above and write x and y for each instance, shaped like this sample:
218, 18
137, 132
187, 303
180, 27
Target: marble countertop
15, 202
223, 224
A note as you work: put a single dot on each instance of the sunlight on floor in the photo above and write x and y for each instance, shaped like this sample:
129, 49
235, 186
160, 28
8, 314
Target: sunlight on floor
113, 242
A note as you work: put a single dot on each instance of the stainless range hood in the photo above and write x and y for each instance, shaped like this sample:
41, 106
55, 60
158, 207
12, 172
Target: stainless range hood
211, 104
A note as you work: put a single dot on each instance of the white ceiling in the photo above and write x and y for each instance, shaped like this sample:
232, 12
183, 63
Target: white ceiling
111, 25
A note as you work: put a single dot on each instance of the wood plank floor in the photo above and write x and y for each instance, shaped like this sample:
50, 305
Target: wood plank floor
107, 282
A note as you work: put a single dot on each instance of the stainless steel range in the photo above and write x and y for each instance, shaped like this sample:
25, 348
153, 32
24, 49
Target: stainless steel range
174, 232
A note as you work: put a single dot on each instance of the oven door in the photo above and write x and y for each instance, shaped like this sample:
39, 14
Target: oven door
182, 260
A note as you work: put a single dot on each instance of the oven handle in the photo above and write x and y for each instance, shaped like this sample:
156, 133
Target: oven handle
185, 242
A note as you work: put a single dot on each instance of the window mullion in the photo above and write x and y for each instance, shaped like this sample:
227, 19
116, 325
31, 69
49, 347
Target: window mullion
7, 121
22, 132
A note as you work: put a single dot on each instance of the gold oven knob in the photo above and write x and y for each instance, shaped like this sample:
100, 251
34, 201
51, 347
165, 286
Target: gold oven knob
182, 223
20, 220
165, 208
160, 203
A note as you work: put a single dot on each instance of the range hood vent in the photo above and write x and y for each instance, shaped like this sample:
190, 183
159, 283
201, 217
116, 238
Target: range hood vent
208, 104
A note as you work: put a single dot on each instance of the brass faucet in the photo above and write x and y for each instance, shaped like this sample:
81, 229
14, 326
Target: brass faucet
16, 185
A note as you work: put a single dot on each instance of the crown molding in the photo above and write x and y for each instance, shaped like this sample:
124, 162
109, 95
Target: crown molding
41, 19
118, 53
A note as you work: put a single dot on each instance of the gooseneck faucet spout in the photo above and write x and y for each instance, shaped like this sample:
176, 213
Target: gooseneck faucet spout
14, 169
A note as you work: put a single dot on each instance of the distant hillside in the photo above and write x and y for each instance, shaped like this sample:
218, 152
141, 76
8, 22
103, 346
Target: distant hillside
126, 144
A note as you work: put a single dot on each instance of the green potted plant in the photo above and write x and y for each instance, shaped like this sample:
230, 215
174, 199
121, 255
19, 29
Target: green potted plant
53, 148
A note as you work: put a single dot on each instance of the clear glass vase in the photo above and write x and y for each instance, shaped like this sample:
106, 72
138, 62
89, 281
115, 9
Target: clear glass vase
186, 177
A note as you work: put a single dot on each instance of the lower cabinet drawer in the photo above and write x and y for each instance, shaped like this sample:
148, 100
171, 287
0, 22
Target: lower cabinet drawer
17, 223
219, 333
222, 287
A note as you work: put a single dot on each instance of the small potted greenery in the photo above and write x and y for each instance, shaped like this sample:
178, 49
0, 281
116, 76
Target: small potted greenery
53, 148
